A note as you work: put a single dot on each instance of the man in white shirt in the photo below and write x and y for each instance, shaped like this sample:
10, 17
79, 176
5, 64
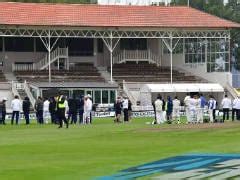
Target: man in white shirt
199, 110
159, 110
176, 110
16, 107
125, 108
236, 105
193, 109
87, 109
211, 107
226, 105
46, 113
186, 104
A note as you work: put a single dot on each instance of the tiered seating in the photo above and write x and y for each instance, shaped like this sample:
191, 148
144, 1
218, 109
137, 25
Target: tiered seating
2, 77
145, 72
79, 73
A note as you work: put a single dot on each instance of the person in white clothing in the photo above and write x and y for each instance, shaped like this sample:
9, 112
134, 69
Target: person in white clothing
159, 110
226, 105
176, 110
125, 109
199, 110
211, 105
236, 104
87, 110
16, 107
46, 114
192, 109
186, 105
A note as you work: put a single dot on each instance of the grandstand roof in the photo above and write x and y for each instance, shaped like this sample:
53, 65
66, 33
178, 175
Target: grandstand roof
79, 15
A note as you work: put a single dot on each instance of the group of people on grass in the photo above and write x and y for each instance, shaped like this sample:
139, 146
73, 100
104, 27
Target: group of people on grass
195, 107
56, 110
123, 104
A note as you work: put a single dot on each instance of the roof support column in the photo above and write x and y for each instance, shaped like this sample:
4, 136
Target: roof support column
111, 46
169, 44
49, 47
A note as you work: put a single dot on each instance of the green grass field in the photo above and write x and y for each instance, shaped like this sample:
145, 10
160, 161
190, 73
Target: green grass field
86, 152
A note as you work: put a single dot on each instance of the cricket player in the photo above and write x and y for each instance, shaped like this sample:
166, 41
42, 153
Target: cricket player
159, 111
193, 109
186, 104
199, 110
176, 110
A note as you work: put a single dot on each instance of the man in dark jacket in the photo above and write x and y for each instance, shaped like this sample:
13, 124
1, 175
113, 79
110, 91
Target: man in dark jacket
52, 110
39, 110
73, 106
81, 109
3, 111
26, 109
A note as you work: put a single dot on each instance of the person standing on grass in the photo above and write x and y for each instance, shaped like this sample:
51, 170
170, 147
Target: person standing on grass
3, 111
211, 104
125, 108
26, 109
226, 105
186, 105
118, 110
159, 110
176, 109
52, 110
72, 113
169, 109
81, 109
202, 102
129, 110
46, 112
39, 110
16, 107
234, 108
61, 110
87, 109
236, 102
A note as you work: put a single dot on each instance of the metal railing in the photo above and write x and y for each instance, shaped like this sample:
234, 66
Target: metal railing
136, 56
23, 67
55, 55
29, 94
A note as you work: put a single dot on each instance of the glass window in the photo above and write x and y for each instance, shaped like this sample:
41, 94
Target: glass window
178, 47
97, 96
19, 44
112, 96
194, 51
105, 96
218, 55
78, 93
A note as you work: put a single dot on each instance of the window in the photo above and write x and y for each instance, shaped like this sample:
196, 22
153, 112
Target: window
194, 51
217, 55
112, 96
19, 44
97, 96
133, 44
78, 93
105, 97
100, 45
178, 49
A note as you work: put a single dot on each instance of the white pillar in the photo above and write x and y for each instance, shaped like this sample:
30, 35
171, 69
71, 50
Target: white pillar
171, 59
49, 58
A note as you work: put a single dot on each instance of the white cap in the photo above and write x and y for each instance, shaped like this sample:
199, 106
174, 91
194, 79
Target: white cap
4, 99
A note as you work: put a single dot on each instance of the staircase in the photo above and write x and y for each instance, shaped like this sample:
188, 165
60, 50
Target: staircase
56, 55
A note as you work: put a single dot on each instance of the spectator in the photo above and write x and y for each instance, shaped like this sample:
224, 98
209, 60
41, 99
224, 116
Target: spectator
3, 111
81, 109
226, 105
72, 113
125, 108
16, 107
118, 110
39, 110
26, 109
52, 110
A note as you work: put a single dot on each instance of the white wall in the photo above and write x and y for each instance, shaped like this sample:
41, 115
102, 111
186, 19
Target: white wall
200, 70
